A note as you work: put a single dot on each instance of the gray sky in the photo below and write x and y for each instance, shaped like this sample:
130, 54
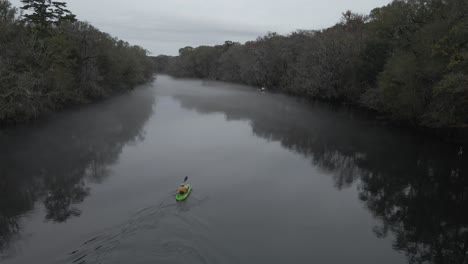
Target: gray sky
164, 26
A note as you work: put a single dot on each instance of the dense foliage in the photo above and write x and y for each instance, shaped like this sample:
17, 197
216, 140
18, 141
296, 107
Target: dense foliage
49, 60
408, 59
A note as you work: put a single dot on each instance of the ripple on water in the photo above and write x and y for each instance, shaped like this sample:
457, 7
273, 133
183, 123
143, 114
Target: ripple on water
144, 238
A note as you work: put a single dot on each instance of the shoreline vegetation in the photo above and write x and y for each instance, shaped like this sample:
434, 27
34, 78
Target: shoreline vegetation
407, 60
49, 61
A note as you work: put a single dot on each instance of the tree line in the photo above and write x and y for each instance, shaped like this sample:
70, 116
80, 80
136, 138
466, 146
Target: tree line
408, 60
49, 60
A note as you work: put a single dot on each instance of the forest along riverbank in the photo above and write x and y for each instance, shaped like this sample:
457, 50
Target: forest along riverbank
50, 61
96, 184
406, 61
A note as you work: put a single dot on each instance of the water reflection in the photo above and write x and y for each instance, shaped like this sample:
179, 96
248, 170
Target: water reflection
53, 163
416, 187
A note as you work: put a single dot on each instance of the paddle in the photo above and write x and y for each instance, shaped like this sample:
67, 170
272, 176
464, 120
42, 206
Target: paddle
186, 178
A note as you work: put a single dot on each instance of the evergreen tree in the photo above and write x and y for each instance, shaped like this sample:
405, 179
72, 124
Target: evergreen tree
46, 12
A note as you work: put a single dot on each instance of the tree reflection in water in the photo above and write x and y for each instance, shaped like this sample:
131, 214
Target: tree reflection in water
416, 186
54, 162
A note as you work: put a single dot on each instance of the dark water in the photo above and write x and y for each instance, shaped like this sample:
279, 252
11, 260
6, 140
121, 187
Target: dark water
275, 180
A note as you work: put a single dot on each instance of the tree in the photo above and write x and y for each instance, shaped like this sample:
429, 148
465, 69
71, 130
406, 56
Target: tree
450, 104
46, 12
7, 13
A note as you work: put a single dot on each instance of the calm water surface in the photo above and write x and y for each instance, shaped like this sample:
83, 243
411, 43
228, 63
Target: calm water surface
276, 180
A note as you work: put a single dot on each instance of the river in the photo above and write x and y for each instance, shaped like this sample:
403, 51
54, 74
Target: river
275, 180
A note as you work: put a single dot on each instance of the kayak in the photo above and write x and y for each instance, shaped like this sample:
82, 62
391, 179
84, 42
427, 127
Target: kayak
181, 197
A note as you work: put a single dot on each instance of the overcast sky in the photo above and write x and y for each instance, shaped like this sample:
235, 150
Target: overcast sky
164, 26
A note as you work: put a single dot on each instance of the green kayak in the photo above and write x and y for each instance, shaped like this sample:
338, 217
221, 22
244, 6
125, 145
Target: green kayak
181, 197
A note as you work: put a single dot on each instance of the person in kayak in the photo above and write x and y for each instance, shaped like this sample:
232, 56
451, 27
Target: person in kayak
182, 189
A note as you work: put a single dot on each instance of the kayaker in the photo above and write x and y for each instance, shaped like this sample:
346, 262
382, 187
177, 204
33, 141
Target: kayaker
182, 189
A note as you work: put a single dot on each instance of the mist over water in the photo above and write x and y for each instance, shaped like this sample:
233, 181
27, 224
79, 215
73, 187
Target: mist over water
275, 180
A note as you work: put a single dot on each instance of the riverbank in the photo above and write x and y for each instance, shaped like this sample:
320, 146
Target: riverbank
454, 135
102, 177
47, 65
406, 60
